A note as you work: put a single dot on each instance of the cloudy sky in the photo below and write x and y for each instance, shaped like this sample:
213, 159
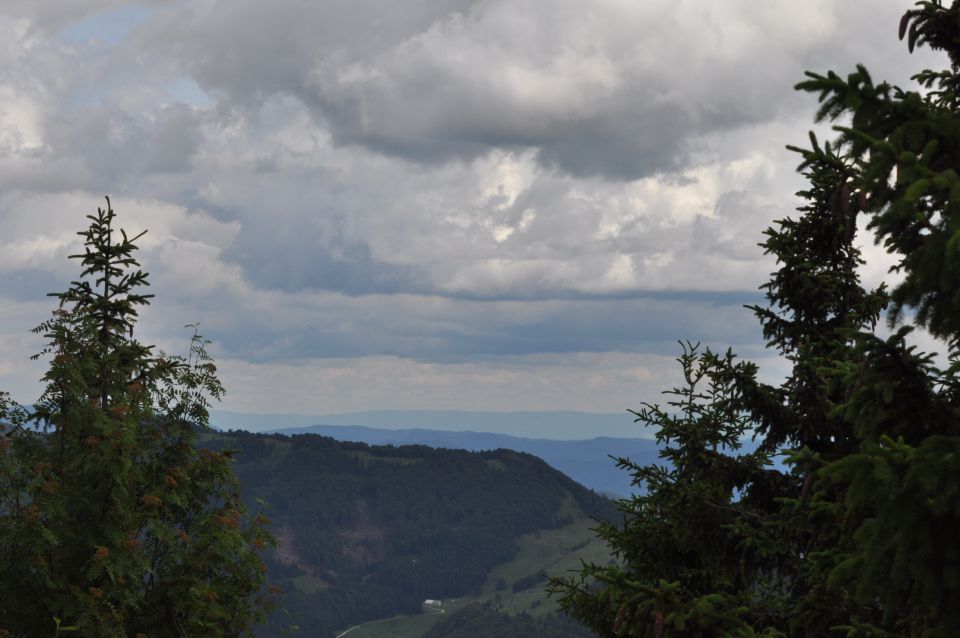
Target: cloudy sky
430, 204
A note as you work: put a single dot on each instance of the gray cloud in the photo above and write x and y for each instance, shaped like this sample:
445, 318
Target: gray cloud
610, 90
487, 190
175, 139
613, 90
314, 254
463, 330
47, 17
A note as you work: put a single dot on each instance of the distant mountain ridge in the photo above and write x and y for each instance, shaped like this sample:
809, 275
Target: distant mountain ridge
557, 425
586, 461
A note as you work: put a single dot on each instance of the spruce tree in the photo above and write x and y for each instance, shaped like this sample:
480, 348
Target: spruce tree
857, 536
682, 561
722, 531
898, 496
112, 521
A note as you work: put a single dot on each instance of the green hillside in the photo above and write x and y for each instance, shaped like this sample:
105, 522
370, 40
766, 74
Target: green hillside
512, 601
369, 532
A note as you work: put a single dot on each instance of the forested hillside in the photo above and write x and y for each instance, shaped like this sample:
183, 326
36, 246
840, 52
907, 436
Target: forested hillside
368, 532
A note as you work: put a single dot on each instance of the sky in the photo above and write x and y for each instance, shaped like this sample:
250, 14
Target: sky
432, 204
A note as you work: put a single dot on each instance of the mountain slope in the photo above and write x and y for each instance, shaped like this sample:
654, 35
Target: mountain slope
369, 532
512, 594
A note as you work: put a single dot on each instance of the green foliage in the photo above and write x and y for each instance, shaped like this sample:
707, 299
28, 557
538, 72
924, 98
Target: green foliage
694, 548
857, 536
903, 146
112, 522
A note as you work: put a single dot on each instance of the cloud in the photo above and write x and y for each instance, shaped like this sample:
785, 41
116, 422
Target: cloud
195, 280
615, 90
18, 374
579, 381
113, 17
482, 189
174, 140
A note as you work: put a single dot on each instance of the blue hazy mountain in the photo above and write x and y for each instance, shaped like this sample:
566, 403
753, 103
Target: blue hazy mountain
586, 461
557, 425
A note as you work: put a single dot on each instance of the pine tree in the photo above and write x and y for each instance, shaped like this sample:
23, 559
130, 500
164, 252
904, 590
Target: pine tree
112, 521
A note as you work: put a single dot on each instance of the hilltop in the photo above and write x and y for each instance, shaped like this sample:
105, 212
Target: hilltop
587, 461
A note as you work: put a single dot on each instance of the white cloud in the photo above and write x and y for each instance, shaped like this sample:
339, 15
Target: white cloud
19, 122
